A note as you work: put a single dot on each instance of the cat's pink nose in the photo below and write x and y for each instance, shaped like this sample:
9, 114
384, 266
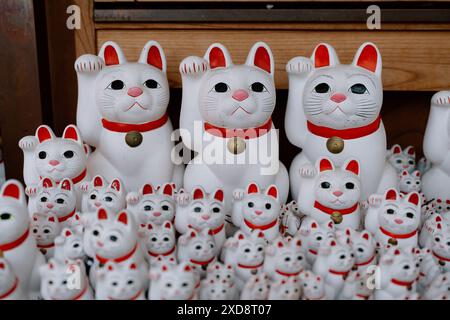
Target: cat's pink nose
338, 193
398, 221
156, 214
135, 92
53, 162
240, 95
98, 204
258, 212
50, 206
338, 97
205, 217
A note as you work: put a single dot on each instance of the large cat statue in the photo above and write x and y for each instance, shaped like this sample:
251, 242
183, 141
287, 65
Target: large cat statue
436, 147
226, 117
122, 112
333, 110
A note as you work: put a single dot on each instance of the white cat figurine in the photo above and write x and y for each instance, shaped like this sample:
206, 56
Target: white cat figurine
409, 182
313, 235
212, 289
45, 228
69, 246
122, 113
173, 283
285, 289
99, 193
364, 247
333, 110
159, 240
9, 282
313, 287
441, 246
256, 288
356, 287
402, 159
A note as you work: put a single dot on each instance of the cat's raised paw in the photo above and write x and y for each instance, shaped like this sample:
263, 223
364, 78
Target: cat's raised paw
193, 65
84, 186
89, 63
31, 190
183, 198
132, 198
238, 194
28, 143
375, 200
441, 98
307, 171
299, 65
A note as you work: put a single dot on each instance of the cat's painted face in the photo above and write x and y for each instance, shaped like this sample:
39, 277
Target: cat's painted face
238, 96
59, 158
287, 255
103, 194
59, 199
156, 206
113, 236
218, 290
402, 264
402, 159
400, 215
250, 250
340, 256
7, 276
200, 246
441, 240
261, 208
313, 286
258, 286
176, 283
13, 211
121, 282
344, 96
220, 272
410, 182
71, 244
337, 188
45, 228
285, 289
316, 234
363, 245
442, 205
206, 211
160, 239
132, 92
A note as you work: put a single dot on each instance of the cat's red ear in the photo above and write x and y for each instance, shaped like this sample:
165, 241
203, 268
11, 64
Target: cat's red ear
369, 58
187, 268
396, 149
414, 198
252, 188
272, 191
71, 133
111, 54
391, 194
410, 151
353, 166
66, 184
217, 56
416, 173
123, 218
47, 183
261, 56
116, 185
98, 181
44, 133
313, 225
280, 244
193, 234
365, 235
168, 225
153, 54
133, 266
218, 195
147, 189
324, 56
198, 193
405, 173
67, 233
325, 164
168, 189
51, 219
102, 214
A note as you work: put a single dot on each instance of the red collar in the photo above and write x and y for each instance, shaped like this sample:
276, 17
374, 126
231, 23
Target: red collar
362, 296
202, 263
77, 179
162, 254
132, 298
398, 236
67, 217
117, 260
213, 231
246, 134
365, 263
288, 274
314, 252
46, 246
440, 257
346, 134
264, 227
249, 267
15, 243
330, 211
339, 273
10, 291
320, 298
141, 127
402, 283
81, 294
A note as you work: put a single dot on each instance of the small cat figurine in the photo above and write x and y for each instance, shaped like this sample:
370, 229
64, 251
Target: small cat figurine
334, 261
60, 281
120, 282
152, 205
394, 219
9, 282
285, 289
159, 240
200, 211
438, 287
121, 111
409, 182
399, 269
429, 228
333, 110
175, 283
313, 286
221, 272
428, 268
364, 247
441, 246
256, 287
284, 259
333, 193
257, 210
402, 159
197, 248
46, 155
45, 228
226, 118
99, 193
290, 218
69, 246
57, 198
16, 242
212, 289
313, 235
356, 287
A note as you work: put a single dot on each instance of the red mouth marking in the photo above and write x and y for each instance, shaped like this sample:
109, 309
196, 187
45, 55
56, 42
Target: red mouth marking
241, 109
134, 104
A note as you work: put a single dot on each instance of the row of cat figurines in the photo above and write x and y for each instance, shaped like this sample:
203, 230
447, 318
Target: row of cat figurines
333, 111
122, 257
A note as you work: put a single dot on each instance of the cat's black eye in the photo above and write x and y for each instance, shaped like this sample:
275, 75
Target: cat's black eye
247, 250
166, 239
5, 216
342, 256
398, 161
325, 185
319, 238
60, 201
268, 206
300, 258
410, 215
115, 284
257, 87
151, 84
165, 207
287, 259
50, 282
117, 85
95, 233
260, 249
44, 199
154, 239
197, 209
64, 282
350, 185
42, 155
360, 250
322, 88
76, 245
198, 247
437, 239
113, 238
216, 210
68, 154
221, 87
35, 230
358, 88
168, 285
108, 199
408, 182
250, 204
411, 162
406, 267
93, 196
148, 208
184, 284
46, 231
130, 282
390, 211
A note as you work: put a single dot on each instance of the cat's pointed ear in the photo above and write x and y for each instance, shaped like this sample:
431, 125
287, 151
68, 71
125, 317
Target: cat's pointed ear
116, 185
168, 189
416, 173
147, 189
272, 191
13, 189
324, 164
413, 198
111, 53
123, 218
404, 173
218, 195
44, 133
218, 56
368, 57
98, 181
66, 184
352, 165
261, 56
47, 183
71, 133
198, 193
324, 56
396, 149
391, 194
168, 225
366, 235
410, 151
252, 188
102, 214
153, 54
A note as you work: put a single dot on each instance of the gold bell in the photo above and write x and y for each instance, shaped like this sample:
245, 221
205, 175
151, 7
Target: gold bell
335, 145
1, 254
336, 217
254, 271
133, 138
236, 145
392, 241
